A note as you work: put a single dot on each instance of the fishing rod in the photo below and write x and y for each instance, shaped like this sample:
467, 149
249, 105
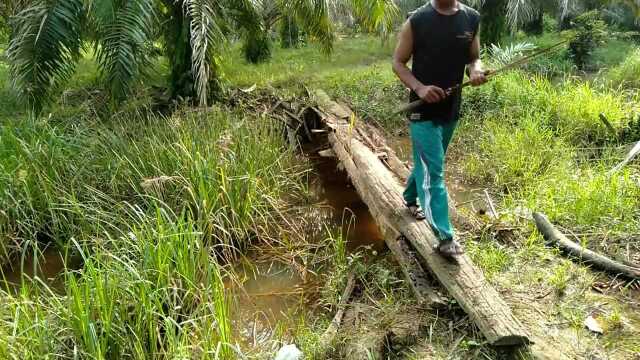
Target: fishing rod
416, 104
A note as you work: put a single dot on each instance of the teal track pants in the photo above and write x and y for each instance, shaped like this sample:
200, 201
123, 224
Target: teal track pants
426, 183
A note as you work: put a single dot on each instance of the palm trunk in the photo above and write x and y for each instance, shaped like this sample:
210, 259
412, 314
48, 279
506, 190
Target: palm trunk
179, 54
536, 25
493, 21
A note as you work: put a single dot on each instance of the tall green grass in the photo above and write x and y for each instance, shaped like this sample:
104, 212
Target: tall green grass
156, 292
545, 147
59, 180
627, 73
153, 206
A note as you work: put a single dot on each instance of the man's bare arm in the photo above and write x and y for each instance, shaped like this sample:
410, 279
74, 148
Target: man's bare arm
477, 75
401, 57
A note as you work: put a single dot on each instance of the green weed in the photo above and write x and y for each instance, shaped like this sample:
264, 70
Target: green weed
627, 74
560, 276
491, 257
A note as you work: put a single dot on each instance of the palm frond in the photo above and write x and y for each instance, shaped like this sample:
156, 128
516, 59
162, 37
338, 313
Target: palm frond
520, 11
207, 32
377, 15
44, 48
314, 18
124, 38
501, 56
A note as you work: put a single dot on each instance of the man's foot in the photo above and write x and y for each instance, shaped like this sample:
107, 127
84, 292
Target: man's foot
416, 212
450, 248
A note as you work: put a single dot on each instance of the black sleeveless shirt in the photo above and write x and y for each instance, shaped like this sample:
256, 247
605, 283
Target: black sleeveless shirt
441, 50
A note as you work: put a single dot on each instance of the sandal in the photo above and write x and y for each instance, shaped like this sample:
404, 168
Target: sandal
450, 248
416, 212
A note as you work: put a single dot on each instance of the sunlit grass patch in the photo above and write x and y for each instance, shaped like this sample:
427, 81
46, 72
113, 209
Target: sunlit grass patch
627, 73
514, 152
577, 112
492, 257
589, 197
306, 64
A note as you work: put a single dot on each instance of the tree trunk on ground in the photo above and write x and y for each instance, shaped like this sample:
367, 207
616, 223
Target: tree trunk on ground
599, 261
381, 191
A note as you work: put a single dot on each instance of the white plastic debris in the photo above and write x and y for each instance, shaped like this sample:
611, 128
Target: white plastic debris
592, 324
289, 352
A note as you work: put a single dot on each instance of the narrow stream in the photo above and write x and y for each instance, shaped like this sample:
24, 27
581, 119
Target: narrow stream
48, 266
273, 294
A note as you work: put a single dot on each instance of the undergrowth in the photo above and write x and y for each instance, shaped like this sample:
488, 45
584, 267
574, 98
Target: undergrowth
155, 207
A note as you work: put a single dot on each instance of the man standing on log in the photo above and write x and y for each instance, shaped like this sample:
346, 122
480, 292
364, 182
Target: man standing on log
441, 38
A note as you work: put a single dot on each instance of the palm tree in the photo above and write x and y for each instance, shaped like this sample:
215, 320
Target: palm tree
500, 15
49, 36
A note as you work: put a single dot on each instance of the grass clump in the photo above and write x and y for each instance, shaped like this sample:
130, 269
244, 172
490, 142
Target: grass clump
546, 148
156, 290
491, 257
152, 205
59, 179
627, 73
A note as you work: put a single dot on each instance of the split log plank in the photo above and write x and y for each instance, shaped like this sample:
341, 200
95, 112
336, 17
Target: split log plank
601, 262
414, 273
381, 191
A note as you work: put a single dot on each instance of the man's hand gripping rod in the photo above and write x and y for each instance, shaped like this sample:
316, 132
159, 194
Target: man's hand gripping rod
416, 104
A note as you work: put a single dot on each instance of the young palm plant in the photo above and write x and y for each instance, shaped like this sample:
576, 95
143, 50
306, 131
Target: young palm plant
50, 36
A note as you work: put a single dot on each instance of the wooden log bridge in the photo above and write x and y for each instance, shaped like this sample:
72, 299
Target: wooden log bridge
368, 166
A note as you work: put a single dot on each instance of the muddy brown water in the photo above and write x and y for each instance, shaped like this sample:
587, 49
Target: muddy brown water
47, 265
272, 295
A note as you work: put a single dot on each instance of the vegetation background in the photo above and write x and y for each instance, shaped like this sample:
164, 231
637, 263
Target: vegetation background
124, 158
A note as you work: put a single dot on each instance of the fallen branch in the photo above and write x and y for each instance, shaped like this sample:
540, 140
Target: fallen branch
494, 213
329, 335
599, 261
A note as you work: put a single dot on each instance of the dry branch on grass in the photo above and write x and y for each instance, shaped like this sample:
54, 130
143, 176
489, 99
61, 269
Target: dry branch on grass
329, 335
601, 262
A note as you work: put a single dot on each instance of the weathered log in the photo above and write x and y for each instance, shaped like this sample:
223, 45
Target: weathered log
329, 335
382, 192
413, 272
402, 172
601, 262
